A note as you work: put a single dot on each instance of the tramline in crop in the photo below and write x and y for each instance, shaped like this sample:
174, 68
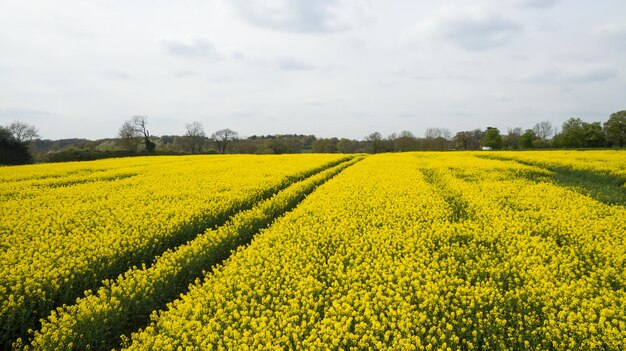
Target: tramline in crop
407, 251
377, 259
66, 227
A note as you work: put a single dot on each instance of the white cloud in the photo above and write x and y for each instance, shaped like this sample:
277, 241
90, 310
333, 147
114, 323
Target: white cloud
473, 29
500, 96
328, 67
534, 3
303, 16
184, 73
313, 102
573, 74
116, 74
189, 47
614, 30
291, 64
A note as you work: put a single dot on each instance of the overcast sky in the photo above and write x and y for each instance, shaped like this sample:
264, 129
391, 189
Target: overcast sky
327, 67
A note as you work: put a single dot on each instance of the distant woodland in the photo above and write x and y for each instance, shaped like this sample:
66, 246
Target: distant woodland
20, 142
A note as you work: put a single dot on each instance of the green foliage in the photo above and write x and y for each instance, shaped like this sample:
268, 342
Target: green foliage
572, 134
594, 135
492, 139
527, 139
615, 128
13, 151
150, 145
325, 145
576, 134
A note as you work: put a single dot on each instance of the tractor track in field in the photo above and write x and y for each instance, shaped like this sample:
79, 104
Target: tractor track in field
460, 209
191, 259
93, 278
603, 187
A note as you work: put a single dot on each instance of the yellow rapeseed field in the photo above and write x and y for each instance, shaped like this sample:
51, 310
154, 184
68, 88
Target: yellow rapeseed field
602, 161
405, 251
417, 252
65, 227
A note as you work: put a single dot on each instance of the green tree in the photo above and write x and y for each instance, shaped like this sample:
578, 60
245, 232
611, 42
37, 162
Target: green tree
13, 151
615, 128
325, 145
527, 139
492, 139
346, 146
572, 133
15, 142
129, 137
594, 135
576, 133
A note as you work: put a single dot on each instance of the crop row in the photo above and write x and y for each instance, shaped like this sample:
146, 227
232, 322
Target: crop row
95, 320
65, 232
606, 161
599, 174
417, 252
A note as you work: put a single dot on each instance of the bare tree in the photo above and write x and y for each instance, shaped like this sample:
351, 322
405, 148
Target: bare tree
468, 140
23, 132
375, 141
437, 138
129, 136
433, 133
544, 130
195, 136
513, 137
140, 123
406, 141
14, 143
223, 139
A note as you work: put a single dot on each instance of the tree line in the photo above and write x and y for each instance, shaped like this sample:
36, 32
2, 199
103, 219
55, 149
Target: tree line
19, 142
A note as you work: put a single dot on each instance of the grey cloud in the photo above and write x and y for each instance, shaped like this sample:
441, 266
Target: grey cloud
117, 74
596, 75
224, 78
475, 33
23, 114
184, 73
290, 64
535, 3
74, 27
243, 115
499, 96
576, 75
237, 54
614, 31
313, 102
189, 48
302, 16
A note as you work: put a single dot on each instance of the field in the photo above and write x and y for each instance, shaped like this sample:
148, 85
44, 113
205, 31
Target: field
403, 251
